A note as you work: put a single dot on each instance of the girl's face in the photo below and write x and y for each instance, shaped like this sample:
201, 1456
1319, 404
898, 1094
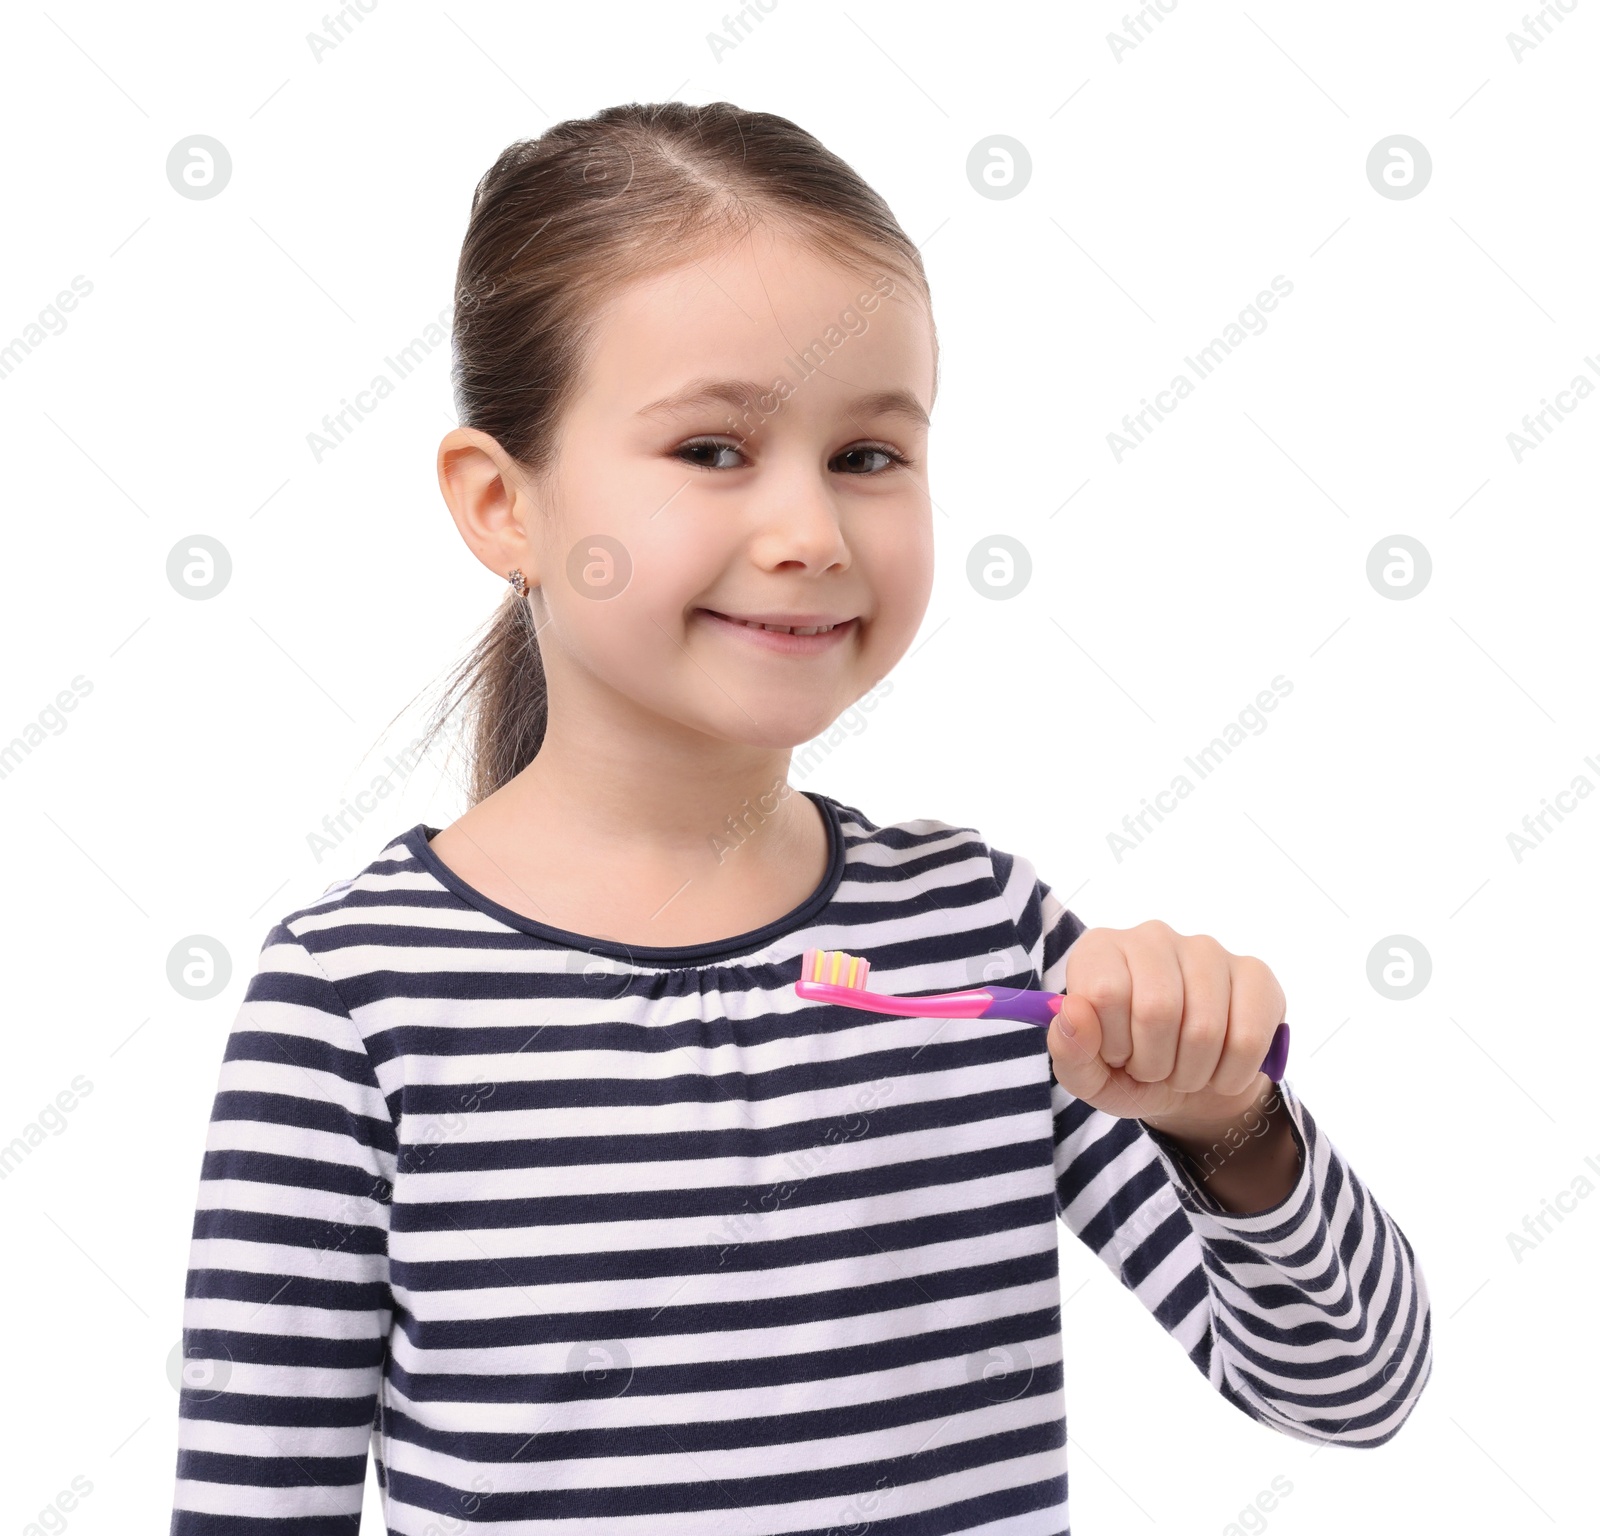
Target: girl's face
683, 500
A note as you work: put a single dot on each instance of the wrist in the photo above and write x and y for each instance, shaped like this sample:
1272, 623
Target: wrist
1257, 1119
1248, 1162
1246, 1112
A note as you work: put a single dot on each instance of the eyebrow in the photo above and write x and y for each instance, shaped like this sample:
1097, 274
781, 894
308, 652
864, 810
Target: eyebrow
744, 393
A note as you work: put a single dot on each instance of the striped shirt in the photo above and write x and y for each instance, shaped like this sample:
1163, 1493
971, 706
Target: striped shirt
606, 1241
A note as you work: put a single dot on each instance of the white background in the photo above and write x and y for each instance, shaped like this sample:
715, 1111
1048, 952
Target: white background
1168, 187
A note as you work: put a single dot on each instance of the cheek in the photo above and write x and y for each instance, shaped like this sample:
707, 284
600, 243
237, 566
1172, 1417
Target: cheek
613, 638
618, 606
902, 580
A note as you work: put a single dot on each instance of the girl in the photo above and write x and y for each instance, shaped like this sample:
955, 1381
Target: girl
529, 1166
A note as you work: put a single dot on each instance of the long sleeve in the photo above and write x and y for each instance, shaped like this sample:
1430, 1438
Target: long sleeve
287, 1306
1311, 1317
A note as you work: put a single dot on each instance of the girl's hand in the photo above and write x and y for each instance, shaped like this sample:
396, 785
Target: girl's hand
1160, 1025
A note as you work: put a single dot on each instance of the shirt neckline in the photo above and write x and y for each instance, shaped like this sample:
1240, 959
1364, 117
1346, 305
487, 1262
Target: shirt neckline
416, 842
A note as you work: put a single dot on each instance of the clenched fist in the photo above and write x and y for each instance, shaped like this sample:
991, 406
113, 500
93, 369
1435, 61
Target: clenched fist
1163, 1025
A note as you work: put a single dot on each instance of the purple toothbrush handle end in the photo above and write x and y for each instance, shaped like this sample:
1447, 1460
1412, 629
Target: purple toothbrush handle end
1041, 1008
1278, 1055
1024, 1004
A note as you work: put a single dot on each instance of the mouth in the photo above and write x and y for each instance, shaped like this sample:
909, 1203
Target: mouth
798, 634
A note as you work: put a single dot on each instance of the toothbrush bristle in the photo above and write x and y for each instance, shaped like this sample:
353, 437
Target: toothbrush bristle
836, 967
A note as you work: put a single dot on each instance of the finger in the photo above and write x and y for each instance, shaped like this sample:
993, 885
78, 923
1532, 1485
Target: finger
1075, 1044
1255, 1009
1098, 972
1156, 1011
1075, 1055
1207, 989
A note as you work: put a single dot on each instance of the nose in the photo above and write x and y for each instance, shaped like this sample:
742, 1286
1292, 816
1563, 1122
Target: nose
798, 524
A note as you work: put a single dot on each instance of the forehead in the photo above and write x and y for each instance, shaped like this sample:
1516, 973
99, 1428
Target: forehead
762, 308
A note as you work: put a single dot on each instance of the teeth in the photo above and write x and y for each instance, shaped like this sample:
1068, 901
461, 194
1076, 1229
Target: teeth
785, 629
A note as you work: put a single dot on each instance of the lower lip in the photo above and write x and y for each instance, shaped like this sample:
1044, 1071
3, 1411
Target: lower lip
775, 640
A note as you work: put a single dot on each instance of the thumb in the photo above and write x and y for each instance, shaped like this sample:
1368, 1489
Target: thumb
1074, 1041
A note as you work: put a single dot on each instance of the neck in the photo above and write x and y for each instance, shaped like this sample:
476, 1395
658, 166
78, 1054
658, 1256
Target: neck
634, 827
661, 804
658, 789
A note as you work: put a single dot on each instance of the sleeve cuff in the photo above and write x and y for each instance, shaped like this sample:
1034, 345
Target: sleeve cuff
1278, 1224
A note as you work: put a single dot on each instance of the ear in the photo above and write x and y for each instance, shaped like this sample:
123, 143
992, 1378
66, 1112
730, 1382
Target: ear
490, 501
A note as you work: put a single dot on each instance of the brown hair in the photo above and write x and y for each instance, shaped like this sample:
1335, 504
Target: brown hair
559, 224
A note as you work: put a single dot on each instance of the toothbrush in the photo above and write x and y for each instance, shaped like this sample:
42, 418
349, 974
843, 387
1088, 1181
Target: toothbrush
832, 976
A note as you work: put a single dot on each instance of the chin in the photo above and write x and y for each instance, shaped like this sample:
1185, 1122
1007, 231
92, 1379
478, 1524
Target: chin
779, 729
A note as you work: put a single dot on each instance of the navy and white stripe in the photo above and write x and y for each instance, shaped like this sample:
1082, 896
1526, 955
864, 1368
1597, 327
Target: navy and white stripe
597, 1241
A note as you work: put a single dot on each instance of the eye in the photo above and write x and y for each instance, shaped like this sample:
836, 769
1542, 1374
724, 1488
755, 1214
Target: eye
702, 454
705, 445
882, 450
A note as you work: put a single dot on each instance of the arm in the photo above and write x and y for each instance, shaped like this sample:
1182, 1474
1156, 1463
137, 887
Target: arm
1311, 1315
287, 1308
